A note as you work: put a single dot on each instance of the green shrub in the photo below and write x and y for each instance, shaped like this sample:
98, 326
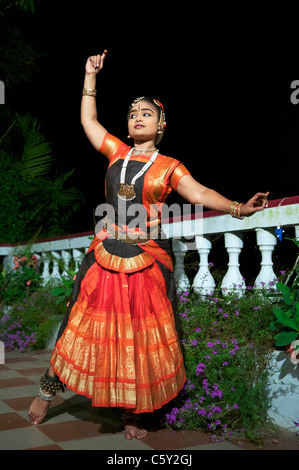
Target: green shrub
227, 345
31, 321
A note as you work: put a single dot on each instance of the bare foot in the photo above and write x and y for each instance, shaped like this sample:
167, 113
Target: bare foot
133, 431
38, 410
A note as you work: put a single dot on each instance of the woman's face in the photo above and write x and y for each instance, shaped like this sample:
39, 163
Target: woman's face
143, 121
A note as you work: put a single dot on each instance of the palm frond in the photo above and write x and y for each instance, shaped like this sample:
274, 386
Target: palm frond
36, 158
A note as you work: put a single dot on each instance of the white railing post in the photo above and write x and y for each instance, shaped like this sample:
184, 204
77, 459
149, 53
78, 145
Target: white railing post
179, 249
203, 283
55, 273
266, 241
77, 256
233, 280
46, 269
66, 257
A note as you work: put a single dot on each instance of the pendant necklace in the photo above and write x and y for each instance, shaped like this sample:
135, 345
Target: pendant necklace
126, 191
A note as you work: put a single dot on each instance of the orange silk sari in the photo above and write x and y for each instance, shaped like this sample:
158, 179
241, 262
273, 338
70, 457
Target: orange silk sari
120, 346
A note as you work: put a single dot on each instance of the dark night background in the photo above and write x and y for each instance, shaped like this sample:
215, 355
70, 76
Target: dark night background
223, 75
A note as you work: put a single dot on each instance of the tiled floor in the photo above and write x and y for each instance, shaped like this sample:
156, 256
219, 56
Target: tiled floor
73, 424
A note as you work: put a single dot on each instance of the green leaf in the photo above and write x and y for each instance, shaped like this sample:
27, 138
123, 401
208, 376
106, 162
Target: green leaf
284, 338
286, 293
284, 319
57, 291
274, 325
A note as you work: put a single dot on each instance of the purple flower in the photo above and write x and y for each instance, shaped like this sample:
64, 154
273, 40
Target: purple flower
235, 406
200, 369
198, 329
225, 363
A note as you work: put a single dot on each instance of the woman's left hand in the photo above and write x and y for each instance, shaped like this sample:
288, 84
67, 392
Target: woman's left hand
257, 203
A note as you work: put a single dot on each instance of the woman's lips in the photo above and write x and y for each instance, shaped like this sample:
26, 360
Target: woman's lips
138, 126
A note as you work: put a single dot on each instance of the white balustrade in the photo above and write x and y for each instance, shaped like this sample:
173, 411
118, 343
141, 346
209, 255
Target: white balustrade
55, 272
56, 256
233, 280
179, 249
284, 213
66, 258
203, 283
266, 241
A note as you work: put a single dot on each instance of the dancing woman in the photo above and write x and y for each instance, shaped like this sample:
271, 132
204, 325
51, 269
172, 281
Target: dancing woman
119, 343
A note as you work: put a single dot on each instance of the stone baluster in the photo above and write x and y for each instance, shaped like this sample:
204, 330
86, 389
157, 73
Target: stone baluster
203, 283
233, 280
179, 249
55, 272
66, 257
266, 241
46, 276
78, 256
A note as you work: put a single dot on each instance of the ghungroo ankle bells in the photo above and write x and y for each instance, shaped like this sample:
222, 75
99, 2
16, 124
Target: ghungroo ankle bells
51, 384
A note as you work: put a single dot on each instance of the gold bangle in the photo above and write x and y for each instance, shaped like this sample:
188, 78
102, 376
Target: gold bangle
89, 92
235, 210
239, 211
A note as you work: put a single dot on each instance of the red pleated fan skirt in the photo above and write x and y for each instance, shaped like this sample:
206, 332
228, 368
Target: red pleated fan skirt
120, 346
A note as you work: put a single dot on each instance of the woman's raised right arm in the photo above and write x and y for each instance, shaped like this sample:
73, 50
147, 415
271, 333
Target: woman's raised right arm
94, 131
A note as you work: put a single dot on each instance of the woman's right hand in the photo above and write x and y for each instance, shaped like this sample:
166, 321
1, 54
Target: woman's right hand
95, 63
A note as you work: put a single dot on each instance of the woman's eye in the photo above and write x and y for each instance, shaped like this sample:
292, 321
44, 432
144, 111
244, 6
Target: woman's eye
133, 116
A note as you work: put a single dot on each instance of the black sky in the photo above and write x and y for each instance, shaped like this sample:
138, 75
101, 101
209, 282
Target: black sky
223, 75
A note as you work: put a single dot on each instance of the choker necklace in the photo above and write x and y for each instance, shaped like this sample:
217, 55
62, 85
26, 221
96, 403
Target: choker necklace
126, 191
144, 150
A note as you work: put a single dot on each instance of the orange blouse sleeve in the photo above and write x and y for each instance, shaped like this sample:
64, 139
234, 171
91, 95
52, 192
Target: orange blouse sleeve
179, 171
111, 146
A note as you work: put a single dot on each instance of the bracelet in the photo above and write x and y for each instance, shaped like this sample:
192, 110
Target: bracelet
89, 92
235, 210
44, 396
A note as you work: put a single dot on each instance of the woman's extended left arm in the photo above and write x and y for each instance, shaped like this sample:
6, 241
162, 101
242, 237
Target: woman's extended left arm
196, 193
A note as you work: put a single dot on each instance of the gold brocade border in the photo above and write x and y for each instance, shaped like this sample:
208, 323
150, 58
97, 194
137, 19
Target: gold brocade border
117, 263
110, 145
